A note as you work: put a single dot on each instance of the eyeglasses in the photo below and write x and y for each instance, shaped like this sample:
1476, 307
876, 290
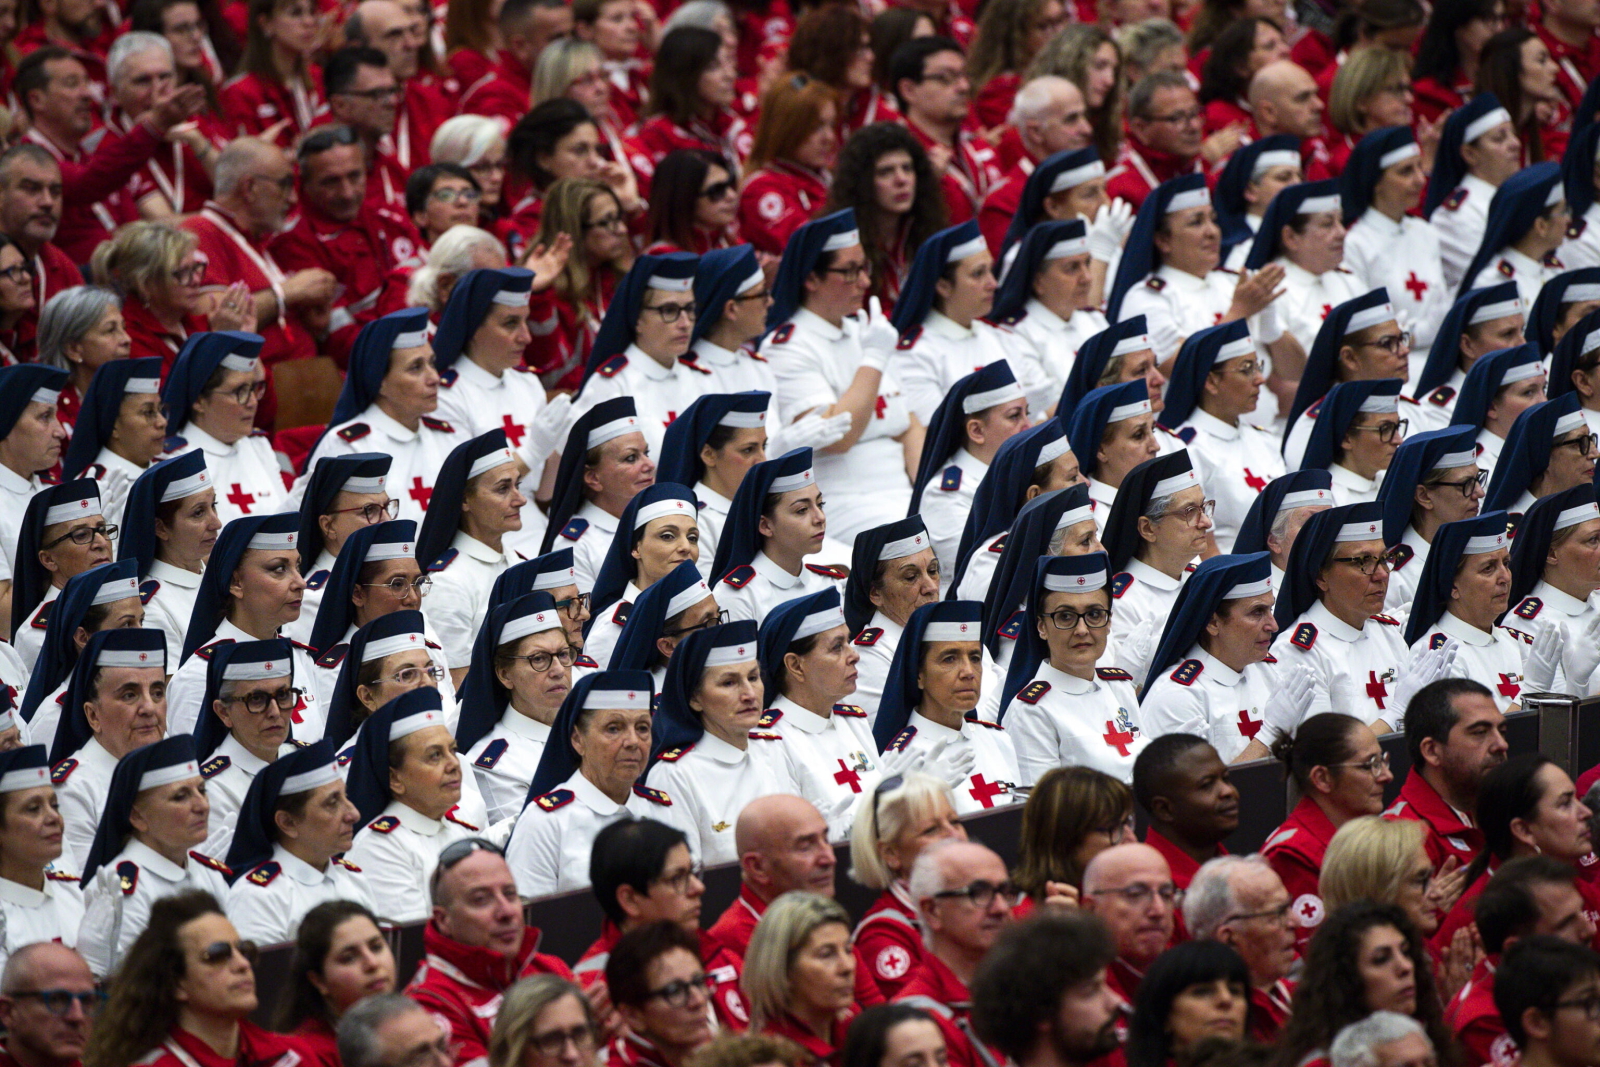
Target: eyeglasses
17, 272
946, 78
716, 620
84, 535
1585, 444
573, 606
488, 166
192, 274
1118, 831
1394, 344
414, 675
1245, 370
678, 881
1465, 485
219, 952
245, 393
607, 222
670, 312
1280, 914
552, 1042
1369, 564
187, 29
1373, 765
1140, 894
1095, 618
982, 893
761, 294
372, 513
439, 1051
59, 1001
851, 275
719, 190
542, 661
1386, 431
1589, 1005
1180, 118
256, 702
400, 585
463, 195
677, 993
385, 92
457, 851
1190, 516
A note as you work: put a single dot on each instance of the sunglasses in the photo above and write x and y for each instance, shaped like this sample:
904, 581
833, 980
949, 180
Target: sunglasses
219, 952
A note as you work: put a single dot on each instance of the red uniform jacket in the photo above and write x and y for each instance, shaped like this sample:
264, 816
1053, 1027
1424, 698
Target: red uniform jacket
764, 29
95, 185
150, 338
1295, 851
251, 103
463, 985
722, 967
502, 91
1141, 168
467, 66
1448, 833
173, 170
1183, 871
817, 1050
1433, 99
52, 272
1124, 979
733, 928
888, 942
630, 88
1220, 114
1269, 1010
1575, 67
318, 1043
933, 986
974, 169
257, 1047
424, 109
864, 107
563, 334
993, 103
727, 135
1003, 201
1476, 1021
777, 200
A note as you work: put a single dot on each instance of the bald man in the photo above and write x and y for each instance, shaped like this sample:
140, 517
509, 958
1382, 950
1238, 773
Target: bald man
37, 1035
1283, 97
401, 34
1131, 888
1050, 116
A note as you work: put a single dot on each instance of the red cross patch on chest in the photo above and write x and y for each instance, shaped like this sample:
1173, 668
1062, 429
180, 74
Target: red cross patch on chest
240, 499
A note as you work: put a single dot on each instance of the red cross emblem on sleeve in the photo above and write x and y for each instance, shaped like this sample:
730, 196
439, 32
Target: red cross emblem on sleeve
1325, 309
845, 776
1116, 738
420, 493
514, 431
1416, 286
984, 792
1376, 689
1507, 687
1254, 481
1248, 726
240, 499
880, 407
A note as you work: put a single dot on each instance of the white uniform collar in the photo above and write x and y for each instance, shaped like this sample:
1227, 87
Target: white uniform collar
775, 574
469, 371
806, 319
1521, 264
1210, 424
713, 353
1217, 669
930, 729
1377, 221
149, 859
714, 501
1349, 479
387, 426
720, 750
113, 462
1565, 603
1070, 684
296, 868
206, 443
1327, 622
942, 325
598, 517
473, 548
1143, 572
24, 896
1036, 309
167, 574
414, 820
241, 757
1296, 274
1462, 631
891, 629
513, 721
15, 483
649, 366
590, 796
804, 719
1181, 279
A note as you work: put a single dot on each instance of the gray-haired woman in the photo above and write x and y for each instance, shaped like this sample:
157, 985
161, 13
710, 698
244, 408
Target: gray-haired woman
80, 329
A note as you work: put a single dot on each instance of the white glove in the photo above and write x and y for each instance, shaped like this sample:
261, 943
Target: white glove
1582, 657
1109, 229
547, 431
1287, 706
878, 336
901, 763
1426, 665
814, 431
838, 813
1268, 328
950, 764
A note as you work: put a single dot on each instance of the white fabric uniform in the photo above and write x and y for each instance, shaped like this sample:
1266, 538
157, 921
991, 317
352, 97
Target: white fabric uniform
267, 903
814, 363
752, 591
1510, 265
82, 781
1459, 223
459, 599
13, 675
1405, 575
1547, 604
875, 644
228, 774
1061, 720
15, 492
1176, 303
588, 534
659, 393
1492, 659
170, 604
1055, 342
1351, 488
1582, 246
397, 853
1355, 669
1101, 497
946, 503
550, 847
1212, 701
1234, 464
601, 640
116, 906
1490, 445
1140, 596
710, 782
246, 474
834, 758
1234, 260
311, 600
326, 678
186, 690
41, 729
1405, 259
1308, 298
29, 640
712, 518
417, 455
930, 359
503, 762
994, 774
736, 372
1434, 411
27, 915
985, 560
115, 476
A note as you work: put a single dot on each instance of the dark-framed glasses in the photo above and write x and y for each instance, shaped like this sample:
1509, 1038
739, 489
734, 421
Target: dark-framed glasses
982, 893
670, 312
83, 535
552, 1043
1585, 444
718, 619
677, 993
371, 513
678, 881
573, 606
256, 701
1095, 618
1466, 486
1368, 564
1387, 430
541, 661
1190, 515
59, 1002
245, 393
219, 952
852, 274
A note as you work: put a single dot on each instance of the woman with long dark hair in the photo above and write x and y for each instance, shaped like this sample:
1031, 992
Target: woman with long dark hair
834, 45
1010, 34
1240, 50
1195, 992
340, 957
1516, 66
1446, 66
278, 87
694, 203
884, 175
691, 102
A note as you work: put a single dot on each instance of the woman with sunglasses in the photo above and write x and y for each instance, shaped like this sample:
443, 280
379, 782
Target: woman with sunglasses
658, 531
340, 957
172, 526
1550, 448
64, 533
343, 494
587, 778
694, 204
211, 397
1354, 437
155, 816
1555, 566
37, 902
796, 145
120, 429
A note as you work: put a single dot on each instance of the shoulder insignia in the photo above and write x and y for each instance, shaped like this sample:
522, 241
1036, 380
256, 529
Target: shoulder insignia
1576, 227
1553, 261
1316, 406
128, 875
757, 356
437, 424
1305, 635
769, 718
384, 824
673, 755
1270, 658
555, 800
205, 651
318, 579
868, 637
1280, 837
264, 874
1438, 640
1187, 672
334, 656
1442, 395
1455, 199
448, 376
692, 365
355, 431
216, 865
1011, 629
908, 340
902, 739
1112, 674
587, 662
951, 480
1506, 270
620, 616
492, 753
1156, 283
453, 817
62, 771
1525, 638
613, 366
259, 432
1186, 435
739, 577
41, 615
61, 876
346, 864
1033, 692
1403, 554
653, 795
978, 720
783, 333
837, 571
574, 529
213, 767
447, 557
176, 442
1121, 583
1387, 620
343, 759
147, 590
999, 543
95, 471
850, 711
757, 735
1529, 608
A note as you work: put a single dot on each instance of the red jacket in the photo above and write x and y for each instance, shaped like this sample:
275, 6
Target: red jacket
173, 170
1432, 98
257, 1047
318, 1042
817, 1050
1124, 979
1220, 114
993, 103
251, 103
1449, 834
888, 943
1575, 67
563, 334
1141, 168
1269, 1010
777, 200
726, 134
467, 65
95, 185
932, 985
974, 169
502, 91
732, 932
52, 272
1003, 201
424, 109
722, 967
1295, 851
1476, 1021
463, 985
1183, 869
150, 338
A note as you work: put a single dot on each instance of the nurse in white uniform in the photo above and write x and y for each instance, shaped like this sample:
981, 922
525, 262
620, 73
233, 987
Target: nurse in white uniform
1551, 583
1550, 449
1575, 367
709, 448
1478, 150
1563, 302
664, 615
1582, 246
389, 404
893, 572
828, 357
657, 531
210, 399
28, 395
100, 598
65, 526
1355, 437
343, 494
1044, 300
1060, 709
120, 429
1303, 234
1276, 517
604, 463
1480, 322
1253, 175
47, 905
1527, 222
710, 756
1112, 432
1433, 479
171, 551
1499, 388
587, 779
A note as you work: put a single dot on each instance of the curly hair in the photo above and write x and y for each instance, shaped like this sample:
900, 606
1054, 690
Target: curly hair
565, 204
1331, 994
853, 187
1226, 74
825, 42
1067, 56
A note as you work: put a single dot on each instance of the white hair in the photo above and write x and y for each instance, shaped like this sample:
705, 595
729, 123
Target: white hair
1356, 1045
701, 13
927, 878
131, 44
465, 139
453, 254
1210, 899
1038, 98
238, 161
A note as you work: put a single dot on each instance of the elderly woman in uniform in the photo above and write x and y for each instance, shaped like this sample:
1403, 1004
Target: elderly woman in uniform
1496, 391
1553, 573
604, 464
1433, 479
1044, 298
1573, 367
343, 494
155, 816
1355, 436
391, 391
1207, 677
171, 526
405, 780
829, 359
665, 614
1478, 150
1527, 222
710, 448
777, 519
1058, 707
64, 533
120, 429
382, 659
1481, 321
1302, 233
294, 825
1359, 340
210, 399
101, 598
1119, 353
893, 571
1550, 448
1464, 587
1253, 175
1112, 432
521, 672
658, 530
37, 902
587, 779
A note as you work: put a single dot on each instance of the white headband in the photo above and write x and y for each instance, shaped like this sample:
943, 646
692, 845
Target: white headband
1369, 317
73, 509
744, 420
143, 385
120, 589
962, 251
906, 546
1359, 531
950, 631
788, 483
1576, 293
1451, 460
842, 240
160, 776
1557, 194
1245, 590
132, 657
1139, 342
388, 646
612, 430
387, 550
1485, 543
26, 778
670, 285
187, 486
1075, 583
1483, 124
671, 506
363, 485
976, 402
1311, 205
1591, 342
1573, 420
1410, 150
264, 541
234, 361
1304, 498
1175, 484
1581, 513
534, 623
687, 599
1380, 404
751, 282
1521, 372
415, 339
309, 780
1240, 346
1056, 449
412, 723
554, 579
1072, 246
255, 671
622, 699
497, 458
1073, 516
727, 655
46, 396
1283, 157
1501, 310
511, 298
1193, 198
1128, 411
1071, 179
818, 622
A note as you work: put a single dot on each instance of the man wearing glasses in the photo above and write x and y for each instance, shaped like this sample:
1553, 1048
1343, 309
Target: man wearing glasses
1166, 131
1548, 994
48, 1004
1130, 887
1241, 902
929, 76
364, 95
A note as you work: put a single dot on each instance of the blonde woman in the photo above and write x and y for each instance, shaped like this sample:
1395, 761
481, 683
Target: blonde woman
571, 67
567, 315
543, 1005
1373, 90
799, 974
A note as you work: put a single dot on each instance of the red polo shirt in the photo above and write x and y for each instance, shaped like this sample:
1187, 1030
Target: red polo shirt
888, 942
818, 1050
1295, 851
1476, 1021
934, 986
1575, 67
503, 91
1003, 201
732, 932
1141, 168
1450, 832
1183, 868
257, 1047
974, 169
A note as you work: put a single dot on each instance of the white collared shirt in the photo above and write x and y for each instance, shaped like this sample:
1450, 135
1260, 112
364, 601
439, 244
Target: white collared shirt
115, 476
54, 913
554, 837
930, 359
1355, 669
601, 640
766, 585
1101, 497
875, 644
503, 762
711, 781
1584, 249
1234, 464
29, 640
116, 912
1145, 600
834, 758
1490, 445
994, 773
228, 774
170, 605
1511, 265
417, 455
589, 542
1307, 299
712, 518
459, 600
1061, 720
1351, 488
397, 853
946, 503
660, 393
1405, 575
1055, 342
82, 781
1215, 702
15, 492
1403, 257
474, 401
267, 902
1491, 659
246, 474
1434, 411
1460, 227
1176, 303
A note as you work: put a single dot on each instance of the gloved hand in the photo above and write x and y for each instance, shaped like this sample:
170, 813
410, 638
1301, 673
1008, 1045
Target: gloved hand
1287, 706
901, 763
547, 431
1109, 229
838, 813
878, 336
1425, 666
1581, 658
951, 764
1268, 327
814, 431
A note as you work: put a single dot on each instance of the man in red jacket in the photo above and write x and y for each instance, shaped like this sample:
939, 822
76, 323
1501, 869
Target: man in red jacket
1050, 117
31, 195
423, 107
1131, 888
1547, 995
477, 945
929, 76
1165, 131
37, 1035
1241, 902
526, 26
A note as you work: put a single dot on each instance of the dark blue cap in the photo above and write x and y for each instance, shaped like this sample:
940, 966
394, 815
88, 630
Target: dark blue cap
721, 275
934, 257
943, 620
470, 302
1031, 533
1526, 454
604, 422
1158, 476
370, 356
679, 591
979, 391
1548, 515
465, 462
893, 540
1004, 489
600, 691
1297, 489
387, 635
553, 570
1346, 524
800, 256
1214, 581
741, 534
1417, 457
1363, 312
1485, 533
237, 661
197, 361
1569, 287
102, 403
1197, 358
1476, 117
1045, 243
256, 830
107, 648
1280, 149
1516, 206
677, 725
368, 779
67, 502
171, 479
1292, 201
692, 429
1099, 409
1487, 376
22, 384
266, 533
672, 271
105, 584
483, 698
1385, 147
359, 472
395, 539
1139, 256
1094, 355
1577, 169
791, 621
1055, 174
1576, 348
659, 501
1471, 308
1338, 412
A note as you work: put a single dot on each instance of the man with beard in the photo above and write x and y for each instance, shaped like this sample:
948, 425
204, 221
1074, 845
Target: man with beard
1181, 782
1040, 996
1455, 735
1131, 888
